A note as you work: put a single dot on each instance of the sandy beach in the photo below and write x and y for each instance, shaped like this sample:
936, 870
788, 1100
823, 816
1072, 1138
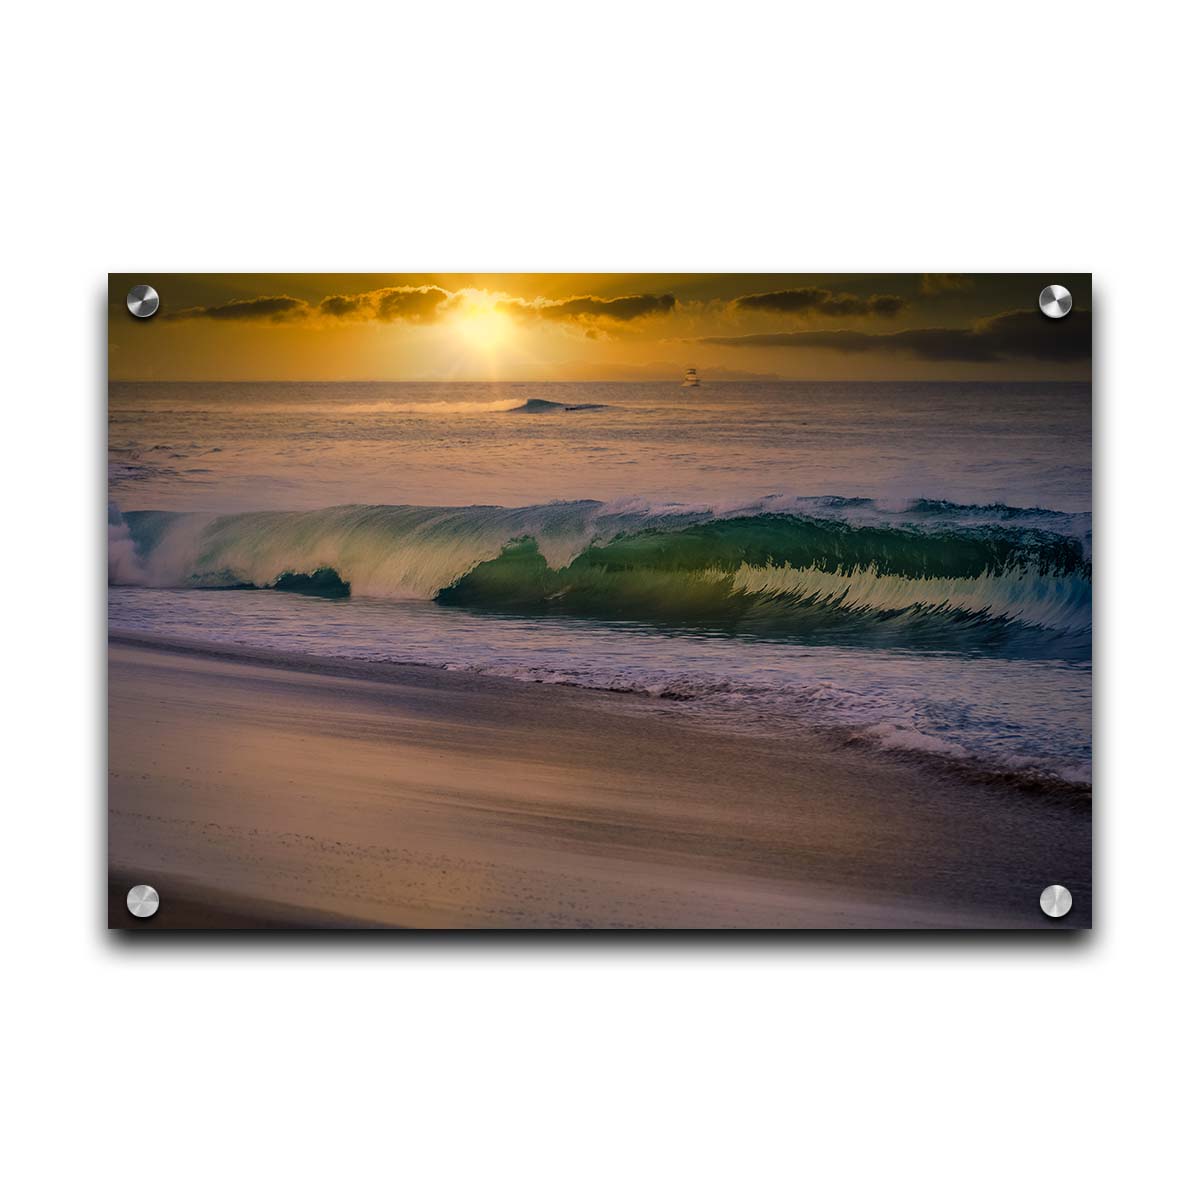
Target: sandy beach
259, 789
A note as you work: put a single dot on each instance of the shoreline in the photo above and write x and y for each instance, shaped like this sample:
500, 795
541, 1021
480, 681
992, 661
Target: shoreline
284, 790
1028, 779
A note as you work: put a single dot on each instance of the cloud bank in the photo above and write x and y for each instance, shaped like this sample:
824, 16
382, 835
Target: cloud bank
1018, 334
423, 305
822, 302
585, 308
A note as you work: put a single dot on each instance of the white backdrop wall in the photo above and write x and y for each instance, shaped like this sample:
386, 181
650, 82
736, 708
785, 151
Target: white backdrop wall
651, 136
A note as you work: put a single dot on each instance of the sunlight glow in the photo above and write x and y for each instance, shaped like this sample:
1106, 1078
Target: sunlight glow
481, 325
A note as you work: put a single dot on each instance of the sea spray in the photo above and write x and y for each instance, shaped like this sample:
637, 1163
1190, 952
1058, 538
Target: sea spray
124, 564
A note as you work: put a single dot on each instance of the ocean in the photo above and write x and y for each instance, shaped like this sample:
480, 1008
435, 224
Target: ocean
904, 566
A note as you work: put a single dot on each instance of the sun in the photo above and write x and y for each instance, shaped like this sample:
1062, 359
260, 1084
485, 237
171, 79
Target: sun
481, 325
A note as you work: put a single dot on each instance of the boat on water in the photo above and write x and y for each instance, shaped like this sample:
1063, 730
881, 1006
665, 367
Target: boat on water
690, 378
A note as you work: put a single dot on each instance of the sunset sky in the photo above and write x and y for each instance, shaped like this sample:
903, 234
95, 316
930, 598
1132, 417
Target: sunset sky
593, 327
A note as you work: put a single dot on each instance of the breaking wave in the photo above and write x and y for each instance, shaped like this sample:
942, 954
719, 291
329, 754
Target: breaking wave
930, 576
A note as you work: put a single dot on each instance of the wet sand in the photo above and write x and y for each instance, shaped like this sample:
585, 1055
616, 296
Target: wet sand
260, 790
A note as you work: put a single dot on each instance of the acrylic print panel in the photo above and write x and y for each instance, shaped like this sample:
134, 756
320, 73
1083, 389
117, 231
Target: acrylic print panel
596, 601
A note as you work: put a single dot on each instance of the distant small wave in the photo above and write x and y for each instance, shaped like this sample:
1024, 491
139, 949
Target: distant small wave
534, 405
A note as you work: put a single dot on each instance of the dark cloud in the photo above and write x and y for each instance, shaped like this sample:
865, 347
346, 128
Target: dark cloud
934, 285
346, 306
823, 302
585, 308
262, 308
1019, 334
409, 304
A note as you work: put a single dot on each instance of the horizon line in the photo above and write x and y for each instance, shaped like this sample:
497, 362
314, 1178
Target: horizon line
656, 379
